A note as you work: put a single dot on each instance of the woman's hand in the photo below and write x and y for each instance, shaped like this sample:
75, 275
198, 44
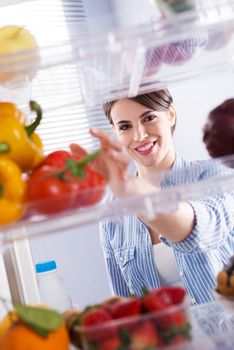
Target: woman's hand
78, 150
113, 163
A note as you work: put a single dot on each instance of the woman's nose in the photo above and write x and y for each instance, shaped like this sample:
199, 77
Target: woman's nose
140, 133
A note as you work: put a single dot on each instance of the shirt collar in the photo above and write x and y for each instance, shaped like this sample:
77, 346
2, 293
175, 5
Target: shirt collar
169, 177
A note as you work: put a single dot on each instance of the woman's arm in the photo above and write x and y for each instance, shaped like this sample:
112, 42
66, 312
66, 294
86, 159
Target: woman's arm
201, 225
175, 226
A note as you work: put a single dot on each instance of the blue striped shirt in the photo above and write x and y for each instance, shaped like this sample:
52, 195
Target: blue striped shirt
128, 248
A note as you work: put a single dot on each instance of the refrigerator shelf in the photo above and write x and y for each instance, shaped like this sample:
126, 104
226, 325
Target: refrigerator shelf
218, 180
125, 61
11, 2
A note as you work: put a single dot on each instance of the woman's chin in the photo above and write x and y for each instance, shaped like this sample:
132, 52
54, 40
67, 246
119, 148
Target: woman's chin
150, 160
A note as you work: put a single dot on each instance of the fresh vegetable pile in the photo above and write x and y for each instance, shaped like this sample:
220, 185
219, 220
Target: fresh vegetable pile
31, 182
157, 319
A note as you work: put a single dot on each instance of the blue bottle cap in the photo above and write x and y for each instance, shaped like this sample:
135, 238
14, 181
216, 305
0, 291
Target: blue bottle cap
46, 266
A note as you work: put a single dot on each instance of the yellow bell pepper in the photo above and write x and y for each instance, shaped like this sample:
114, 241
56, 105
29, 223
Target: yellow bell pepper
19, 142
12, 191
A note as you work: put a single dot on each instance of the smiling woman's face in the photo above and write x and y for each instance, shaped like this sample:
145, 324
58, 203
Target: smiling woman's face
144, 133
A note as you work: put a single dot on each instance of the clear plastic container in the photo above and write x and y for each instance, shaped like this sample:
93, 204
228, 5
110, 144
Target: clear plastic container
169, 329
51, 289
62, 202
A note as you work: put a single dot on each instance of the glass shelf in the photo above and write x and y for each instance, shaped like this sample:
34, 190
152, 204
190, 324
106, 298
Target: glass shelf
12, 2
125, 61
218, 179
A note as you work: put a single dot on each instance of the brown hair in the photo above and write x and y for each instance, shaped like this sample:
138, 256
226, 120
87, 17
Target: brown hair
160, 100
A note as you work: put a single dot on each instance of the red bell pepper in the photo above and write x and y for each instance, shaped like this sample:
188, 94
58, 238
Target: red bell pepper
62, 182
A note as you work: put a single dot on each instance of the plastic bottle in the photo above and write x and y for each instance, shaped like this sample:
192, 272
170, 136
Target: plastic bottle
51, 290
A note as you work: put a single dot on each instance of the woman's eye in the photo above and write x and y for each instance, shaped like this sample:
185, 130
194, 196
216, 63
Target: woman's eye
124, 127
149, 118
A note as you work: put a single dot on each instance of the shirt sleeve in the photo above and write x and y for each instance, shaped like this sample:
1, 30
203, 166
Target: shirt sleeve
116, 279
214, 222
214, 215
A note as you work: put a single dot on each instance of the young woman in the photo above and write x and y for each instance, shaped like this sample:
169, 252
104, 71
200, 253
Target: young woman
198, 237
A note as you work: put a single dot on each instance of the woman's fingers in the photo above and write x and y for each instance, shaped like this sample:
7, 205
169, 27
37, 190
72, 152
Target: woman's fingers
113, 162
77, 150
121, 159
106, 139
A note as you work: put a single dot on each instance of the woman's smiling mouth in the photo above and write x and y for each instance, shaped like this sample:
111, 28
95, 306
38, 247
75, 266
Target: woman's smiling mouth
146, 148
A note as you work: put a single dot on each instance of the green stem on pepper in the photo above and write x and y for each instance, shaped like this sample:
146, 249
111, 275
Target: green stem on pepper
35, 107
77, 168
4, 147
1, 191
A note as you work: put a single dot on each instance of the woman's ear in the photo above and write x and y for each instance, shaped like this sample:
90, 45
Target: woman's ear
172, 115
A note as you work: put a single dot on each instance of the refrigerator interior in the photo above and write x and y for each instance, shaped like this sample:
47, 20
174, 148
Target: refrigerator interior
91, 53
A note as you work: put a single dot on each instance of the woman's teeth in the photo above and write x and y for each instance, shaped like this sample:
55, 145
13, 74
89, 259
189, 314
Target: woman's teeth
146, 147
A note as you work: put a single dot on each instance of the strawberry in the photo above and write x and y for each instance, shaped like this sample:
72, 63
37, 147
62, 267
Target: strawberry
125, 308
175, 320
178, 319
176, 329
178, 340
173, 295
107, 304
162, 299
152, 302
176, 335
97, 317
144, 336
110, 344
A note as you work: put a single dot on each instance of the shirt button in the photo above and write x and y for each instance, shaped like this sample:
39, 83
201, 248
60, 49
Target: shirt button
121, 258
181, 274
193, 301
